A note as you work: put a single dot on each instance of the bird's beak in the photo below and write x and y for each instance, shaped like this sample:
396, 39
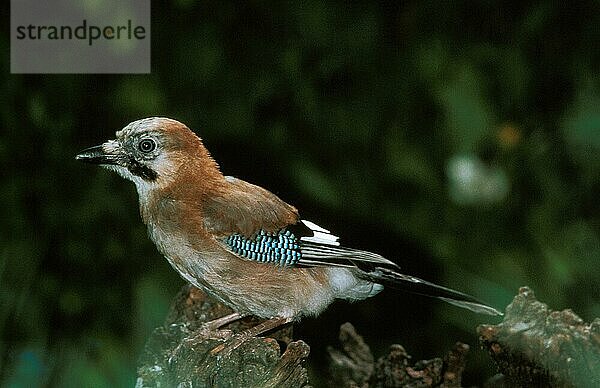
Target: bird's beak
101, 154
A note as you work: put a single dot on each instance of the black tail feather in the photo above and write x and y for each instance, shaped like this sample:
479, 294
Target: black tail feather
414, 285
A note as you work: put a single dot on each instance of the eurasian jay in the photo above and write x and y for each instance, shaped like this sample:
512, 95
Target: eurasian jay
240, 243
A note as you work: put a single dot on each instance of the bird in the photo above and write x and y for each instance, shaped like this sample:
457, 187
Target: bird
240, 243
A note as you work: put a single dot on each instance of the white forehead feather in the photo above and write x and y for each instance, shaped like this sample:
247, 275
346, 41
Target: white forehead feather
143, 125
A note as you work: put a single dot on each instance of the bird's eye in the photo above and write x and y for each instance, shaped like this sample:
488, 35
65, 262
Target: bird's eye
147, 145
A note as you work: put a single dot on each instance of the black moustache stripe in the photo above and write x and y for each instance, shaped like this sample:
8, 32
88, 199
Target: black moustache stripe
138, 169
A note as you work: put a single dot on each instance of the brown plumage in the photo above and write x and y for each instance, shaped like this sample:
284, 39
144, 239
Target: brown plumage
192, 210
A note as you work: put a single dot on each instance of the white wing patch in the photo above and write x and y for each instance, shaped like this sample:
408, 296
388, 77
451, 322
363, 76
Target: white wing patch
323, 249
320, 235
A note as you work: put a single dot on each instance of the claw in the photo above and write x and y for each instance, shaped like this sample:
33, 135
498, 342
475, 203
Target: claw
208, 330
232, 341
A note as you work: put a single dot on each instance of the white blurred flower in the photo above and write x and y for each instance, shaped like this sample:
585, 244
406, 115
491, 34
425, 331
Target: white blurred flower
472, 182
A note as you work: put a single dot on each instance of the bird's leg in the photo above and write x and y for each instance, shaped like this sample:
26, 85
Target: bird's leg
215, 324
261, 328
207, 330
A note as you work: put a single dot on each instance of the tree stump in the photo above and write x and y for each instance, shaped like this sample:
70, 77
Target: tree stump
175, 356
535, 346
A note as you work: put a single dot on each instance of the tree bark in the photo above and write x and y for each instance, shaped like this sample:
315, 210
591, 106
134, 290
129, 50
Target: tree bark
179, 355
533, 346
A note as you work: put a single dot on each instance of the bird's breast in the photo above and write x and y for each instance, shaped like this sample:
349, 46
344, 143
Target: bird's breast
177, 250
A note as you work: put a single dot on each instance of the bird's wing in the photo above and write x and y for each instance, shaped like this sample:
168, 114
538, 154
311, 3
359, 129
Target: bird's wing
302, 244
245, 209
258, 225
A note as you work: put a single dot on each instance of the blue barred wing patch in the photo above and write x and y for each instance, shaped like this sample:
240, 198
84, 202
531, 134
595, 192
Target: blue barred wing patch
280, 248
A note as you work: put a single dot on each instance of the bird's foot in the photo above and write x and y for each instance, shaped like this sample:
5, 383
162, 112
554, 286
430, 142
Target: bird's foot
208, 330
236, 340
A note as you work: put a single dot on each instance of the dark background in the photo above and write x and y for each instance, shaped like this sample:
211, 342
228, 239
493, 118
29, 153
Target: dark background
460, 140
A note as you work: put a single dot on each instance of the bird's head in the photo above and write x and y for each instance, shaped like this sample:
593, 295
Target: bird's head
153, 153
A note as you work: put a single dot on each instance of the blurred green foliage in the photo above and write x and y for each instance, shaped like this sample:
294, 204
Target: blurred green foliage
459, 139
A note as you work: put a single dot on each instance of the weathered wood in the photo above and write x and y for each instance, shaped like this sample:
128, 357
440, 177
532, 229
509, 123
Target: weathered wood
176, 355
535, 346
354, 366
